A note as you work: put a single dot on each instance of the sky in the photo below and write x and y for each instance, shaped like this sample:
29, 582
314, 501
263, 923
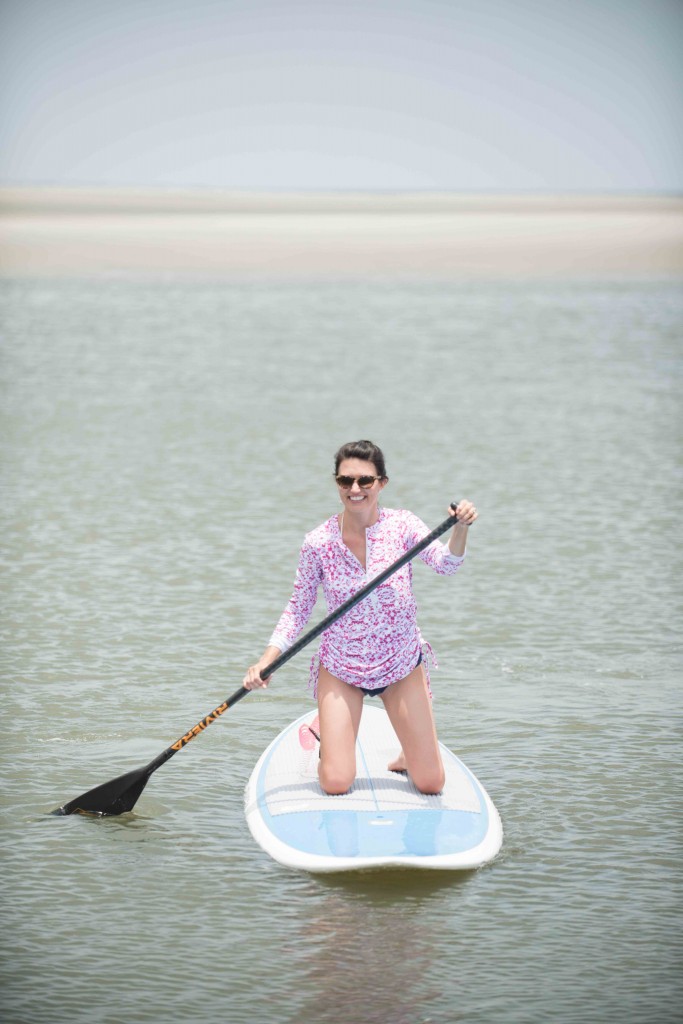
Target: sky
466, 95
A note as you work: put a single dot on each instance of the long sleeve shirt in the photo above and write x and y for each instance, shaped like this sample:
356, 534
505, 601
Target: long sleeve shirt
378, 641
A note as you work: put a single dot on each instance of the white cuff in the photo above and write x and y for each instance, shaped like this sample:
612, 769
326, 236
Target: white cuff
278, 640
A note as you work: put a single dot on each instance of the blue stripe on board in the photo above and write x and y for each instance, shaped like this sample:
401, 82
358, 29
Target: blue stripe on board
365, 834
368, 776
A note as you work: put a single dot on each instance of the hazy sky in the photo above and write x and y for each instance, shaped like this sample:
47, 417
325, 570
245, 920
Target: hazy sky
343, 94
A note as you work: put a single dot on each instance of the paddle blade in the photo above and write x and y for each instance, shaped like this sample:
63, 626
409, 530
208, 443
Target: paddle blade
115, 797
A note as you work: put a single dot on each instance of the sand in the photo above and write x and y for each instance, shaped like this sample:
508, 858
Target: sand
134, 232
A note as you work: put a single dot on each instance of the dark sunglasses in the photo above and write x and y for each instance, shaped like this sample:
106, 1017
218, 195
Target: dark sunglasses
365, 482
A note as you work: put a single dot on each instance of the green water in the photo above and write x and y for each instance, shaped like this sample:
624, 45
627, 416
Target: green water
165, 447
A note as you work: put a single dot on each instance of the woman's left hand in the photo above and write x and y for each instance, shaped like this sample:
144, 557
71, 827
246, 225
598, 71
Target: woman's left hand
465, 513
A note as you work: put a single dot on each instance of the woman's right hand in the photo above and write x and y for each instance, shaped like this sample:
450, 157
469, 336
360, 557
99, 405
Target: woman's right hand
252, 680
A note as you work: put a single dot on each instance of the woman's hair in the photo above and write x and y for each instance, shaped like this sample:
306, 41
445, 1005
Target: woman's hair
365, 450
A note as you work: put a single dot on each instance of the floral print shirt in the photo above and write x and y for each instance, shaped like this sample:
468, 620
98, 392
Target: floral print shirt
378, 641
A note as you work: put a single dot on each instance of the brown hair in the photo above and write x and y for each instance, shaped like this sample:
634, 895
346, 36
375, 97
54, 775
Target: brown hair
364, 450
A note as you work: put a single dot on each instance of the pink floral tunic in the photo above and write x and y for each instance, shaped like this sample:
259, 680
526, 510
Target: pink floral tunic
378, 641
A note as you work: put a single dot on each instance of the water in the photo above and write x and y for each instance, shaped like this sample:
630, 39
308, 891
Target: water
166, 444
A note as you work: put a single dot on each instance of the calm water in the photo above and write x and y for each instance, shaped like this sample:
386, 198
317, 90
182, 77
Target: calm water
165, 447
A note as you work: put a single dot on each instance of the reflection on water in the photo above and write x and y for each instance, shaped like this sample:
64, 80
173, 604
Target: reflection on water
166, 445
387, 939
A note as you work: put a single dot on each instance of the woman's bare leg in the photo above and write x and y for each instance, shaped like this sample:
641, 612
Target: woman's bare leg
340, 707
410, 712
399, 762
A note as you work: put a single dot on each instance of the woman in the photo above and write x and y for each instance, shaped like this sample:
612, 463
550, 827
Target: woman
376, 648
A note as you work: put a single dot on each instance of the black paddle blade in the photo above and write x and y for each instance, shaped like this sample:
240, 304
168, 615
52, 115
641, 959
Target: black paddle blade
115, 797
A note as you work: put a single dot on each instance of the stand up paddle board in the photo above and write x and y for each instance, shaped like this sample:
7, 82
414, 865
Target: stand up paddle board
383, 821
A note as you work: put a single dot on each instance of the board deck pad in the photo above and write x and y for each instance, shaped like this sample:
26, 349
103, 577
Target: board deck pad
291, 778
382, 821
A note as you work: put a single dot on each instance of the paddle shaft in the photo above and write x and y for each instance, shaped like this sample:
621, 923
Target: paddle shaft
120, 794
303, 641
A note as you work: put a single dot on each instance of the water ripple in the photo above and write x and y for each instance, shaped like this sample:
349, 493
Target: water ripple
158, 476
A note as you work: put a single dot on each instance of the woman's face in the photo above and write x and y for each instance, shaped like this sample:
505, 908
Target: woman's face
355, 496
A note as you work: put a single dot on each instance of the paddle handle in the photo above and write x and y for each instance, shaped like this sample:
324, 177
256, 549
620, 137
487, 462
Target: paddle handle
305, 640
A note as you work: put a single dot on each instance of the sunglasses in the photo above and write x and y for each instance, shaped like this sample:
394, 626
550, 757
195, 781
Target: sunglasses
366, 482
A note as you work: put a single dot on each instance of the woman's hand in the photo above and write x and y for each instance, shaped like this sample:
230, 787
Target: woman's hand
465, 513
252, 680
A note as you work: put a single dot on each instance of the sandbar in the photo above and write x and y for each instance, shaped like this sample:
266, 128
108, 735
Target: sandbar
84, 232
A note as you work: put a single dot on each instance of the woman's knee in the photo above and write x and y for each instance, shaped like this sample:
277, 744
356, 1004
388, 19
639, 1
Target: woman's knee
430, 781
335, 780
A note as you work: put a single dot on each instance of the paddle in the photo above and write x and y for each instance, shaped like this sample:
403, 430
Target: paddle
121, 794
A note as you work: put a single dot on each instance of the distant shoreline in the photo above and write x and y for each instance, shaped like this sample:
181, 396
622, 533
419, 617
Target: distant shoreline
57, 200
143, 232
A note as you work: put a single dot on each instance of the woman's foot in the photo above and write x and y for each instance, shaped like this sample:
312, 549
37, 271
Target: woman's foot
399, 764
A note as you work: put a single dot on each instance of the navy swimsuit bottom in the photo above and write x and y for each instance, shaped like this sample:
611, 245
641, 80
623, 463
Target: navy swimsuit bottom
380, 689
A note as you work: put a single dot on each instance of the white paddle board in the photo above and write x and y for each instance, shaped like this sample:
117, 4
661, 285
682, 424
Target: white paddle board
382, 822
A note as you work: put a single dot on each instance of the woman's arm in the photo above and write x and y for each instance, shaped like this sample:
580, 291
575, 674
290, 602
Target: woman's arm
465, 514
445, 559
252, 680
294, 617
